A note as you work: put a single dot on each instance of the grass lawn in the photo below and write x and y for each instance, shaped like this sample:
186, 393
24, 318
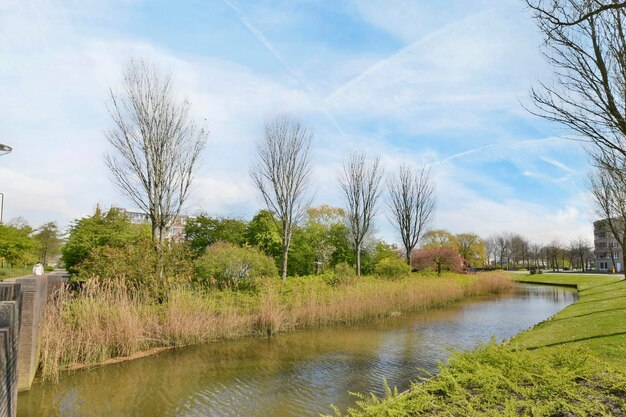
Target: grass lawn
573, 364
14, 272
597, 321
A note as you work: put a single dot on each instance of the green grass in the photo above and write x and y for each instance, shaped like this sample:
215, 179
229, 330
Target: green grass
573, 364
597, 321
493, 381
14, 272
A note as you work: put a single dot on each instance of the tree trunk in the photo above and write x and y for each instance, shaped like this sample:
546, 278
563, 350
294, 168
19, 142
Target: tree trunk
358, 261
283, 270
624, 257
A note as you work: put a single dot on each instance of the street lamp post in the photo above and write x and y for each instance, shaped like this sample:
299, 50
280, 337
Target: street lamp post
4, 149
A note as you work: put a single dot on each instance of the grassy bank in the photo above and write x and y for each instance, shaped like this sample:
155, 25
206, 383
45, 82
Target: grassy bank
493, 381
107, 321
573, 364
597, 321
14, 272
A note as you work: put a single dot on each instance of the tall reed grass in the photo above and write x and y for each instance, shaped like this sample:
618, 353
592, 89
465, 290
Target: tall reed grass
108, 320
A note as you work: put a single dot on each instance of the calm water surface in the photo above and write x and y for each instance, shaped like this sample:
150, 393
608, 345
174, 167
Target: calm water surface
294, 374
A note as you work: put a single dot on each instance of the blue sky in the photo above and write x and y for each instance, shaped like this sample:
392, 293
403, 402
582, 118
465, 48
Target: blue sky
441, 83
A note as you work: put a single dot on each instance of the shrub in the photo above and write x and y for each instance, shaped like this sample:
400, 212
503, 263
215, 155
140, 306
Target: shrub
437, 259
343, 274
392, 268
228, 266
140, 266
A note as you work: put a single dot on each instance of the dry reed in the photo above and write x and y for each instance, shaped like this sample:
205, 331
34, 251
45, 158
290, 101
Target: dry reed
107, 320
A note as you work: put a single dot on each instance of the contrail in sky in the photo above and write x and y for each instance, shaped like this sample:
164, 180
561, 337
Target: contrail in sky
300, 78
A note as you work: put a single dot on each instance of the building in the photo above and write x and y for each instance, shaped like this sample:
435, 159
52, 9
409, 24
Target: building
607, 251
176, 231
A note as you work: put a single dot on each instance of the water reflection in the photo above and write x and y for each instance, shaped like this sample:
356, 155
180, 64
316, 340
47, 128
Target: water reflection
296, 374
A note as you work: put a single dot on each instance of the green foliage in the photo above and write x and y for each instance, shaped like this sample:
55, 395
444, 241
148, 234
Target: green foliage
494, 381
320, 243
111, 229
392, 267
342, 274
263, 233
471, 248
204, 231
228, 266
439, 239
15, 272
302, 253
140, 266
16, 245
49, 242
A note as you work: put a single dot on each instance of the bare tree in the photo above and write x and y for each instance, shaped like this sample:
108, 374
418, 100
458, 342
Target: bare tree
536, 253
585, 42
360, 183
503, 248
411, 203
156, 145
608, 188
491, 245
281, 173
581, 250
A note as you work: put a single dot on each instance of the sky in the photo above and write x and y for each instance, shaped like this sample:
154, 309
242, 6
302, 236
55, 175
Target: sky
438, 83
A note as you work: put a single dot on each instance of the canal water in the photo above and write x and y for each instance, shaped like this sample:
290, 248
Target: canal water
292, 374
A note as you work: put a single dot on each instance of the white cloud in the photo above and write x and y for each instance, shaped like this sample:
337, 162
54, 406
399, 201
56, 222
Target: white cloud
454, 77
461, 70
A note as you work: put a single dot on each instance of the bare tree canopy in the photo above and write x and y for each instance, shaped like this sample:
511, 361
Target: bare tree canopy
282, 172
553, 12
411, 203
156, 145
586, 45
360, 183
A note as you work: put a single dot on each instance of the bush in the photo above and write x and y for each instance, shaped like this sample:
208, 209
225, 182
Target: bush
48, 268
140, 266
343, 274
392, 268
228, 266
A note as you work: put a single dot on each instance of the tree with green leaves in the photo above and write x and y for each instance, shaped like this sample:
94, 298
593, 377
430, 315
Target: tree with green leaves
16, 244
439, 238
321, 242
111, 228
263, 233
49, 240
471, 248
204, 230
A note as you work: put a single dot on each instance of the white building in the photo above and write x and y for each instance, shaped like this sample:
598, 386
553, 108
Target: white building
176, 231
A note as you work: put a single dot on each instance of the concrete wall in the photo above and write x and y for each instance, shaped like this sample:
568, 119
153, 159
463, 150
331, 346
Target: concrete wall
23, 303
10, 300
34, 301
